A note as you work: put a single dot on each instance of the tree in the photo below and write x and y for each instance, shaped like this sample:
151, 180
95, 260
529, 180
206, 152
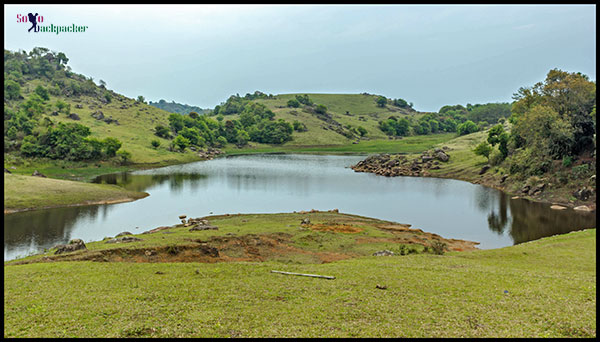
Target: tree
12, 90
381, 101
467, 127
293, 103
111, 146
181, 142
162, 131
362, 131
483, 149
321, 109
42, 92
141, 99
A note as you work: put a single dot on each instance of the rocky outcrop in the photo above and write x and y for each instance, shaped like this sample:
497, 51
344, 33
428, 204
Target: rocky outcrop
583, 194
384, 252
123, 239
74, 116
392, 166
73, 245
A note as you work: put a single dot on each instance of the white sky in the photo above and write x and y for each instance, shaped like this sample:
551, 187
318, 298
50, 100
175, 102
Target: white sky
431, 55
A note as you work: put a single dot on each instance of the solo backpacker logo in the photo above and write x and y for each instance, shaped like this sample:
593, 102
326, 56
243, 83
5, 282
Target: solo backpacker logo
35, 20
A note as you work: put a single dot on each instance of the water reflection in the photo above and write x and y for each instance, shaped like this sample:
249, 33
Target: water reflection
286, 183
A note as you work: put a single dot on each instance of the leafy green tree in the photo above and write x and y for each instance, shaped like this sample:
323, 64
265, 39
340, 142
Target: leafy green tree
321, 109
63, 107
467, 127
141, 99
42, 92
299, 126
293, 103
162, 131
12, 90
181, 142
221, 141
304, 99
483, 149
111, 146
362, 131
381, 101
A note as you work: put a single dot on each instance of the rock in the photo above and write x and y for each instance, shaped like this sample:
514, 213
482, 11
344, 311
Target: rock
305, 221
73, 245
149, 253
38, 174
503, 178
381, 287
384, 252
484, 169
537, 189
526, 189
557, 207
583, 194
79, 106
124, 239
582, 208
74, 116
54, 113
426, 158
203, 227
442, 156
6, 170
123, 234
515, 197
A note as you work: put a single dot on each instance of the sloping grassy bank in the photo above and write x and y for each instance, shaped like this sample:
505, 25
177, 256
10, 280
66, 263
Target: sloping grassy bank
29, 192
543, 288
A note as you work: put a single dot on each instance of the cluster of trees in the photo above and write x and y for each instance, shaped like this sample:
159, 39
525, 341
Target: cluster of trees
300, 99
174, 107
382, 101
255, 123
235, 103
27, 129
427, 124
553, 120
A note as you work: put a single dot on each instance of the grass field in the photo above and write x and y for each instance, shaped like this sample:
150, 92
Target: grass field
543, 288
27, 192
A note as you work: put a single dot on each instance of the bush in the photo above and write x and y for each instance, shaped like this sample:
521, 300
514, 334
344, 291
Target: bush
567, 161
124, 157
321, 109
438, 247
293, 103
155, 143
467, 127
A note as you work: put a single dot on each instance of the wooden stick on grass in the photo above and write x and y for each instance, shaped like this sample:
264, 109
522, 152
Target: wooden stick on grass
305, 275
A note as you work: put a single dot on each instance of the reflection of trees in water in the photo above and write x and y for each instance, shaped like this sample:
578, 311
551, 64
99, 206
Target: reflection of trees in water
484, 198
144, 182
533, 220
497, 222
45, 228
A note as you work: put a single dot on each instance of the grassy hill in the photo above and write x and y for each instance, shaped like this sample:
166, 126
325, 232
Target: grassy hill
218, 283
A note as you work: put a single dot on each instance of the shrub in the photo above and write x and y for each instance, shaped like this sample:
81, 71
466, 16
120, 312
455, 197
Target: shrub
155, 143
438, 247
567, 161
293, 103
124, 156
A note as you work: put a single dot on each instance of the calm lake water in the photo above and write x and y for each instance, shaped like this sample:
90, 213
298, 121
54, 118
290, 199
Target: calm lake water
287, 183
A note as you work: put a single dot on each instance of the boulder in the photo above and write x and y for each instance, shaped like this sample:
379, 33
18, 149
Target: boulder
54, 113
6, 170
484, 169
384, 252
203, 227
557, 207
537, 189
441, 155
74, 116
582, 208
305, 221
503, 178
526, 189
123, 234
38, 174
425, 158
79, 106
583, 194
73, 245
123, 239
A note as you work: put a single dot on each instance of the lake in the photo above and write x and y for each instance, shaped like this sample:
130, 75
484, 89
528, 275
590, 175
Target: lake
276, 183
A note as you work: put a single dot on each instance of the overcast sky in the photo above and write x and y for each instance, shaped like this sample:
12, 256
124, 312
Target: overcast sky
431, 55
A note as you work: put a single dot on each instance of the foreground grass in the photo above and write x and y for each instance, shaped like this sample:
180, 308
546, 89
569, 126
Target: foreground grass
544, 288
28, 192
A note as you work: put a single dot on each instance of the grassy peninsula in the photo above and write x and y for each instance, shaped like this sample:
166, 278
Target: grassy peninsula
218, 283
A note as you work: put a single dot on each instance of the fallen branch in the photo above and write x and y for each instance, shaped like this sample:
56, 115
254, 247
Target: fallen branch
305, 275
